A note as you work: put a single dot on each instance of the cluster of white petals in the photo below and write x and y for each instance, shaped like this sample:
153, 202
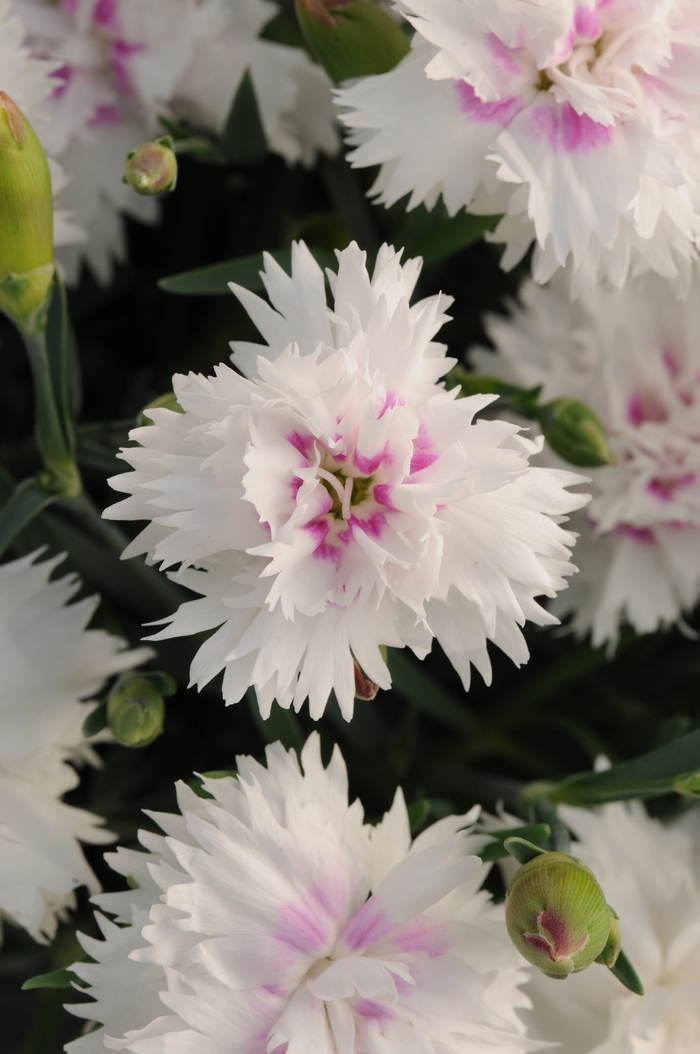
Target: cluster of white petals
271, 918
634, 357
337, 498
118, 64
650, 875
577, 119
49, 662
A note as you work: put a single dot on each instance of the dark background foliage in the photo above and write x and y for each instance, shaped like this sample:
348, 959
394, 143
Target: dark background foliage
547, 720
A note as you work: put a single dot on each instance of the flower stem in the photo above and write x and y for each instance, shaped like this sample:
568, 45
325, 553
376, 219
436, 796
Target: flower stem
56, 447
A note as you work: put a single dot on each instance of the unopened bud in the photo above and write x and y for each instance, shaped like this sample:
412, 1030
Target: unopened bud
365, 688
135, 711
557, 915
168, 401
351, 38
152, 167
26, 221
575, 433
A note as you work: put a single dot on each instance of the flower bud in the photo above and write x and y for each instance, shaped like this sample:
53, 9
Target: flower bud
557, 915
135, 711
575, 433
351, 38
365, 688
26, 221
152, 167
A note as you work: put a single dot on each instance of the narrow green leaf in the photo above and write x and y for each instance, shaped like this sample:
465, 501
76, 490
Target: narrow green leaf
96, 720
131, 882
648, 776
626, 974
26, 502
56, 979
243, 141
418, 814
435, 235
522, 850
245, 271
63, 358
219, 774
282, 725
411, 682
538, 833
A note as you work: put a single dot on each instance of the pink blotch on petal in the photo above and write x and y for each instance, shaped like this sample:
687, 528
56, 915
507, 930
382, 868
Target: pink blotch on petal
104, 116
105, 14
303, 927
294, 486
671, 363
65, 75
503, 54
328, 552
369, 465
664, 488
566, 131
636, 534
369, 1010
382, 494
645, 406
318, 529
304, 444
500, 113
119, 57
587, 23
424, 454
422, 935
366, 927
372, 525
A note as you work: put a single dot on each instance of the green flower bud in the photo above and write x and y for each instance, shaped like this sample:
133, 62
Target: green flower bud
168, 401
575, 433
557, 915
152, 167
613, 946
135, 711
26, 221
351, 38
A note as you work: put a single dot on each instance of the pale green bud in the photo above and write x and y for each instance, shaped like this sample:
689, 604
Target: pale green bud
168, 401
152, 167
575, 433
135, 711
557, 915
351, 38
26, 221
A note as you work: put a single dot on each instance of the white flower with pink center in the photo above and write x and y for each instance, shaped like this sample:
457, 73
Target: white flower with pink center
119, 64
273, 919
634, 357
337, 498
577, 119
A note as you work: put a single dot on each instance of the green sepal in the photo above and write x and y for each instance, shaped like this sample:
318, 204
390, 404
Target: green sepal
532, 833
63, 978
243, 141
575, 433
220, 774
96, 720
351, 38
626, 974
522, 850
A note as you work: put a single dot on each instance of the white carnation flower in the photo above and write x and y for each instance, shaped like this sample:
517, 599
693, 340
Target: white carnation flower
293, 93
634, 357
338, 498
647, 873
578, 120
49, 662
273, 919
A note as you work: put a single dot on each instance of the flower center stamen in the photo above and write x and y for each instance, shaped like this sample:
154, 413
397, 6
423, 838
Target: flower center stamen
344, 493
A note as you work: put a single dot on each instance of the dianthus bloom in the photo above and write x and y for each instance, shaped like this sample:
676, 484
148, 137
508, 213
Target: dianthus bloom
634, 357
121, 63
647, 874
49, 662
293, 93
338, 498
273, 919
578, 119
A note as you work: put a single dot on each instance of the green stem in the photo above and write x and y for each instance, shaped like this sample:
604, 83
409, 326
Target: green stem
55, 446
